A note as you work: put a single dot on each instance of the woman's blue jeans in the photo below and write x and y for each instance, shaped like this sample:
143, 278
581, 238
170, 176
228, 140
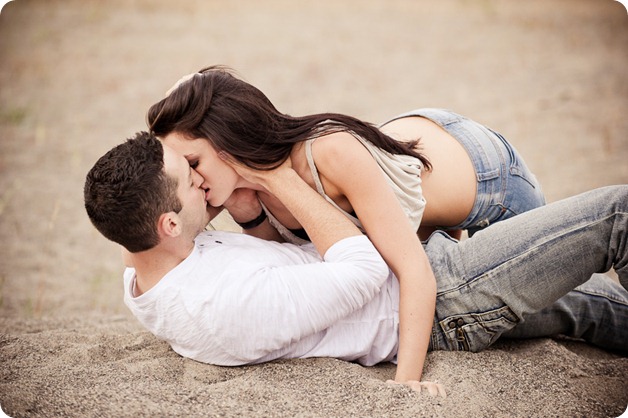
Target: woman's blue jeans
505, 185
513, 278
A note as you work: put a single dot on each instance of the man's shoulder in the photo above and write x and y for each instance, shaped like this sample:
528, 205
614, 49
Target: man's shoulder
206, 238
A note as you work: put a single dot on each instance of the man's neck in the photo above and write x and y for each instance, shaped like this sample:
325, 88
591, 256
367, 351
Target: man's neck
152, 265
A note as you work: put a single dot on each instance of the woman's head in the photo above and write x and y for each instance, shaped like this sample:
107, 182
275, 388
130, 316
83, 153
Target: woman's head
231, 114
235, 117
219, 179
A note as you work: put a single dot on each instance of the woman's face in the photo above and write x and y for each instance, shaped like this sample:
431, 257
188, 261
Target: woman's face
219, 178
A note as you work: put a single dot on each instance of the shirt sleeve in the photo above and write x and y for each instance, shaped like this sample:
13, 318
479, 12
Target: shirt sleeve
264, 309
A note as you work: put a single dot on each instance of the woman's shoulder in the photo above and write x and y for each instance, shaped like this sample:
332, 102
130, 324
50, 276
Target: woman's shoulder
321, 153
338, 153
335, 144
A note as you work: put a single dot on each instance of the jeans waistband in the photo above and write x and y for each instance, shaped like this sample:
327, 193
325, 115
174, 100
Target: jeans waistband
486, 148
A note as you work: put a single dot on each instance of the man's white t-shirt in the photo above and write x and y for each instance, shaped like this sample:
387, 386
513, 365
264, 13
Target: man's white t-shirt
240, 300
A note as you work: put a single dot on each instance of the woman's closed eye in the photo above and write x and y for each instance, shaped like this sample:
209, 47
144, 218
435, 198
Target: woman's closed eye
193, 163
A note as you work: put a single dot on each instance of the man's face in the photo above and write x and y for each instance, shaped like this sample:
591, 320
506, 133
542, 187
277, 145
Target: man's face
194, 214
219, 179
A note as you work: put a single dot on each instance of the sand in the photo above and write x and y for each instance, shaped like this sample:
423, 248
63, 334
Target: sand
77, 77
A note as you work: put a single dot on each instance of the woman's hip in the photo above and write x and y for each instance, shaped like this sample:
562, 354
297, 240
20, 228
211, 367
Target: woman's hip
505, 185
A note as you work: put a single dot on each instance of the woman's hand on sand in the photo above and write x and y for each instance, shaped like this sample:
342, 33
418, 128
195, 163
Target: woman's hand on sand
433, 389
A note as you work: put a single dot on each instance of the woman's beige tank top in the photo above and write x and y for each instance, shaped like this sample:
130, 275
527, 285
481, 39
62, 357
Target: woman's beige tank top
402, 172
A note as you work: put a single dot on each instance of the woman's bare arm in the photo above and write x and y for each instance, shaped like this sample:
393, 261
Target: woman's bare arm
347, 169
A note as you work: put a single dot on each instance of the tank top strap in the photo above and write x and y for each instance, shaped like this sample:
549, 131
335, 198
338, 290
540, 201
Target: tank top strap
319, 184
312, 165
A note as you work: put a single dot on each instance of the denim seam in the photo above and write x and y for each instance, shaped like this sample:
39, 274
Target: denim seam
601, 295
526, 253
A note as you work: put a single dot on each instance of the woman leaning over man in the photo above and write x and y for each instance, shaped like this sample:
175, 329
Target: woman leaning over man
423, 170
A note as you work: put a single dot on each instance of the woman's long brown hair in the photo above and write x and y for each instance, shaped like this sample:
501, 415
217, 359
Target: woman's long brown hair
239, 119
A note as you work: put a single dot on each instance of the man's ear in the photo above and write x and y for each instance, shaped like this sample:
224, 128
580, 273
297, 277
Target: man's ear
169, 225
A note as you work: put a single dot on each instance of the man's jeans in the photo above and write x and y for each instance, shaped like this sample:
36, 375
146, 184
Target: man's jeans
507, 279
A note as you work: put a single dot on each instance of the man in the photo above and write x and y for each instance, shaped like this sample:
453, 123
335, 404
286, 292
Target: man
232, 299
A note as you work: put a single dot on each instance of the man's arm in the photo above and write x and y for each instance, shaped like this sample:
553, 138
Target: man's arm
326, 225
243, 206
270, 301
254, 301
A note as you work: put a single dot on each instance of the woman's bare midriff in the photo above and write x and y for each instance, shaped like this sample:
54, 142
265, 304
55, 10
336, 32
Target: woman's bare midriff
450, 186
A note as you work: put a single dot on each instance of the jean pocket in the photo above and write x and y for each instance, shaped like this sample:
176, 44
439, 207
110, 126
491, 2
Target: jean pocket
517, 166
525, 174
476, 331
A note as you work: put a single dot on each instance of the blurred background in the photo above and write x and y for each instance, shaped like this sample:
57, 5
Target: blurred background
77, 77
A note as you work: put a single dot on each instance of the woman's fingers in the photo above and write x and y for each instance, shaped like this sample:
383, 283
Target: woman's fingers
251, 174
433, 389
441, 390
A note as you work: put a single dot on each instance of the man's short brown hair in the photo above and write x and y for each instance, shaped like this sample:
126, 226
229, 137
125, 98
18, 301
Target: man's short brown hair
127, 191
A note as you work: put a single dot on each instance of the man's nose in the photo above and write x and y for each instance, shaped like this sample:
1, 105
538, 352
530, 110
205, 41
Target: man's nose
197, 178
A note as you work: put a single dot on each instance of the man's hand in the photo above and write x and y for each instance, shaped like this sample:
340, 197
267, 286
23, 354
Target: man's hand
433, 389
243, 205
213, 211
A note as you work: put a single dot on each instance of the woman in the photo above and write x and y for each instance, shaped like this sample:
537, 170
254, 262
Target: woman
212, 114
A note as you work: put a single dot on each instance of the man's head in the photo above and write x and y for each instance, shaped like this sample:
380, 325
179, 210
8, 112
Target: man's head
139, 189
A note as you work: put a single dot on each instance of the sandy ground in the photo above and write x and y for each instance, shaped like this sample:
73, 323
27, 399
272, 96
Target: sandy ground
77, 77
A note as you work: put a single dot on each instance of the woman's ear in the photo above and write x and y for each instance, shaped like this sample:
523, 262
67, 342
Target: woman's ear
169, 225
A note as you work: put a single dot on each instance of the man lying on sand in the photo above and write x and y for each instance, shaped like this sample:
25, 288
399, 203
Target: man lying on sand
231, 299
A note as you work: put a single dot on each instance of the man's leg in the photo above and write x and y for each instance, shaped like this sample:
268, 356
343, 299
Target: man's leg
512, 269
592, 312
